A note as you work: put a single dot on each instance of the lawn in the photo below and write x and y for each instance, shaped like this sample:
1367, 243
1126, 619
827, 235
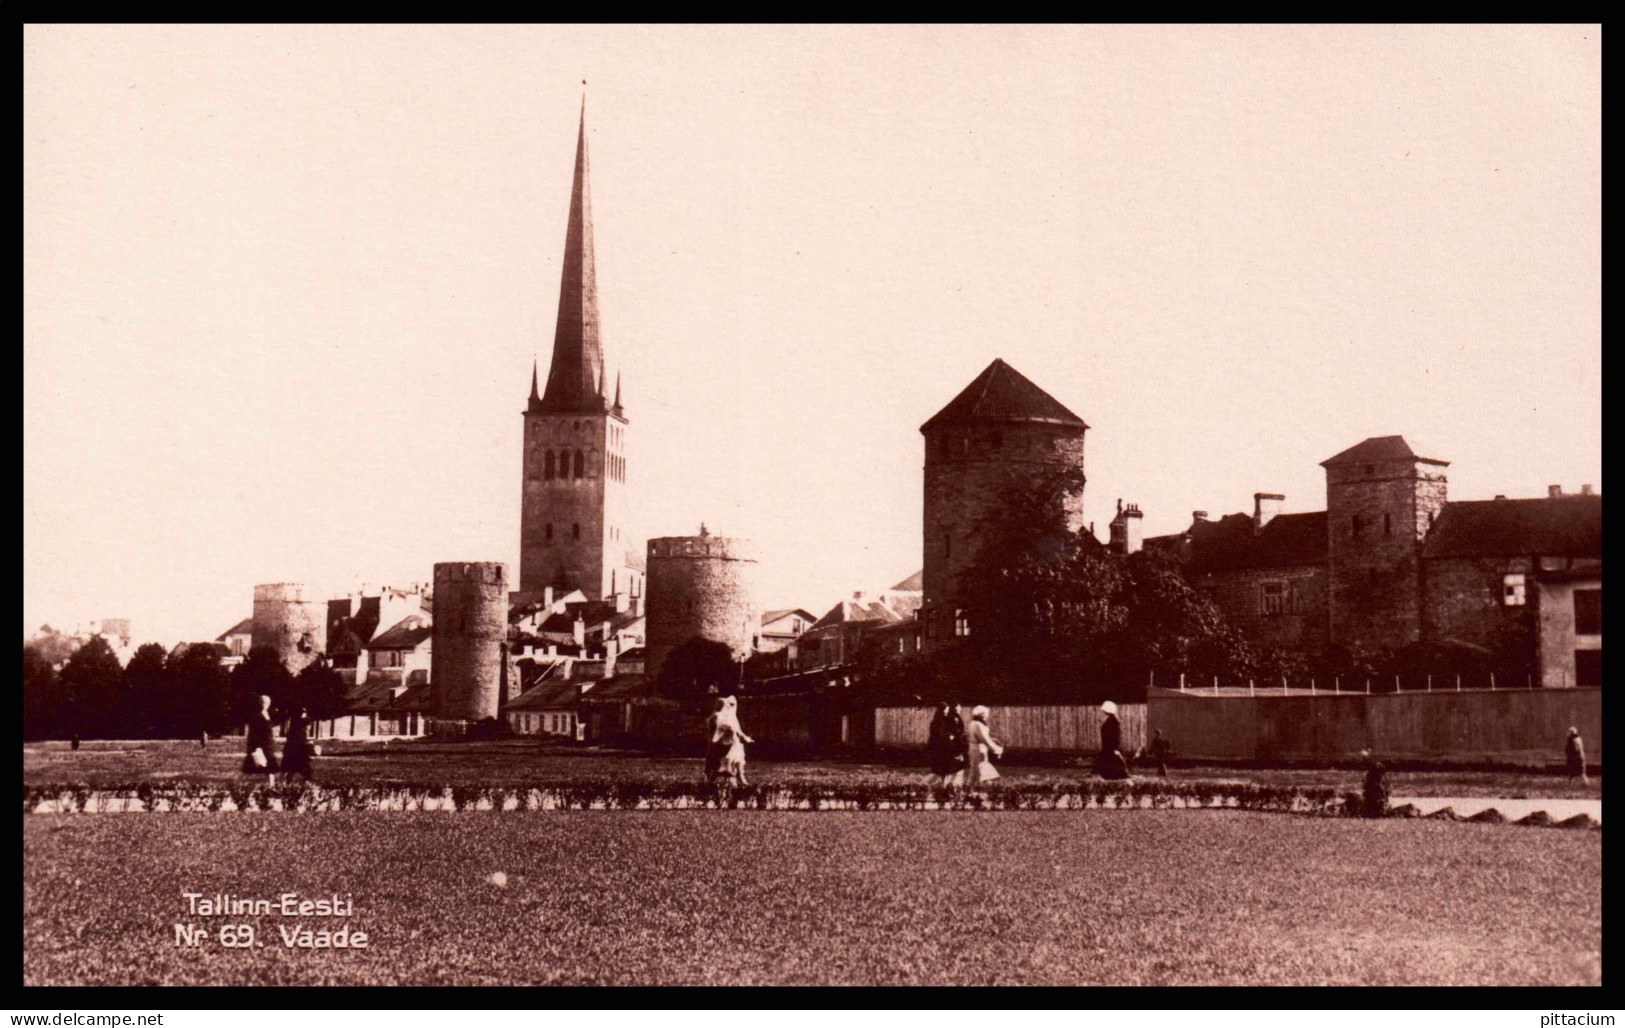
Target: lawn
530, 762
1111, 897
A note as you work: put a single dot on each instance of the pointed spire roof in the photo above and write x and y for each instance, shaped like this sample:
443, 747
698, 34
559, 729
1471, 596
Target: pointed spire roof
1001, 393
574, 380
617, 407
535, 403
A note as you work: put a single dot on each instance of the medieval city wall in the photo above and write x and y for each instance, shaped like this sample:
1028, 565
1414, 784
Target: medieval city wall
470, 630
699, 586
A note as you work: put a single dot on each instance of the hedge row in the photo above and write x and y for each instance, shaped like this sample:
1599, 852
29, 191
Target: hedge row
181, 795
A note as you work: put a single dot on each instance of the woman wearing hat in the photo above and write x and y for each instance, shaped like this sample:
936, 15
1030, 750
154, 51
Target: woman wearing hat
1574, 755
981, 743
1110, 763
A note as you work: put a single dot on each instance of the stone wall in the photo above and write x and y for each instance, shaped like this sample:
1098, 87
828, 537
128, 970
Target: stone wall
969, 472
1302, 626
699, 586
587, 515
291, 619
1377, 515
470, 629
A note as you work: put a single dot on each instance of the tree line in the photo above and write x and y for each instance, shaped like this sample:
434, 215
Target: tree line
163, 695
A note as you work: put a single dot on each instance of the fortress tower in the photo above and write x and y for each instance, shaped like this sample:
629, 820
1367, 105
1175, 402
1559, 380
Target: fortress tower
1000, 432
291, 620
574, 504
700, 586
470, 627
1381, 499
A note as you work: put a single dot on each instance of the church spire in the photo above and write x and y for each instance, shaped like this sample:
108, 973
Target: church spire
535, 403
617, 407
573, 379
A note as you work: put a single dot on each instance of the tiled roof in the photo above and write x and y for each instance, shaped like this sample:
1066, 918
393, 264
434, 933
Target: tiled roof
1001, 393
243, 627
912, 584
770, 616
857, 610
1379, 448
406, 635
549, 695
622, 687
1229, 544
1557, 526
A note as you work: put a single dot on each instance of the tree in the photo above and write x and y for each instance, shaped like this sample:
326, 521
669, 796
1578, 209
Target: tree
262, 673
91, 682
43, 709
320, 690
200, 699
697, 668
147, 682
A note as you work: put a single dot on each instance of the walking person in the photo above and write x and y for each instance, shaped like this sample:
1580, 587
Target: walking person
733, 763
297, 750
261, 756
715, 748
946, 746
1110, 763
1574, 755
982, 748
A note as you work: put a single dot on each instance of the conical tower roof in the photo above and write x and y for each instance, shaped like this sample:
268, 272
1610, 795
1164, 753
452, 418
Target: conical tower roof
574, 377
1000, 394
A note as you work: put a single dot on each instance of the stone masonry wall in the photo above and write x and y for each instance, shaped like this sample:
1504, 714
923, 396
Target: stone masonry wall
470, 629
699, 586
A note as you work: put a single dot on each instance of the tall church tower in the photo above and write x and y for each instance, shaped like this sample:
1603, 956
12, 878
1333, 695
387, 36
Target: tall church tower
572, 514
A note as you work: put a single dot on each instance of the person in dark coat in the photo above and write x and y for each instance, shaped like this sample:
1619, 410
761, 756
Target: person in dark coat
1374, 801
715, 747
1158, 752
946, 746
1110, 763
297, 750
1574, 756
261, 756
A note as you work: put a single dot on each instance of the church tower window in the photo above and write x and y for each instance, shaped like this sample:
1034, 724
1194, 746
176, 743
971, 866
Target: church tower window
547, 467
581, 465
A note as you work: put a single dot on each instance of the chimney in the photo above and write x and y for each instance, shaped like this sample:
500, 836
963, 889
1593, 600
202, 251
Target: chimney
612, 650
621, 603
1585, 490
1554, 491
1126, 531
604, 637
547, 598
1265, 507
581, 632
1500, 496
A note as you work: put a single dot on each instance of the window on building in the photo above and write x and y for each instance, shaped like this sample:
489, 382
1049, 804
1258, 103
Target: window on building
547, 533
547, 468
575, 530
947, 544
581, 465
1387, 524
1588, 612
961, 622
1272, 598
1588, 668
1512, 590
1356, 526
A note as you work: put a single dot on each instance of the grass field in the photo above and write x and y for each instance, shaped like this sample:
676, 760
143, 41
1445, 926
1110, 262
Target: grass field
1113, 897
532, 763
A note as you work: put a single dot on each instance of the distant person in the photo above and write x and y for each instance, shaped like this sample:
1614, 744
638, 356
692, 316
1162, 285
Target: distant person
1158, 752
733, 762
203, 740
982, 748
75, 743
1574, 755
261, 756
1110, 763
715, 748
1375, 798
297, 750
946, 745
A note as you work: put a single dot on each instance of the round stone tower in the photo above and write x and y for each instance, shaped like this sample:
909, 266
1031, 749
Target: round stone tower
1000, 433
470, 628
291, 619
700, 585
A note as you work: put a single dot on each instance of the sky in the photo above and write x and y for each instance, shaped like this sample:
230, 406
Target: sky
283, 285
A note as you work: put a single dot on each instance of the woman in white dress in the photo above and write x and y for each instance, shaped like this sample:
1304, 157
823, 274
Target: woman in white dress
733, 764
981, 744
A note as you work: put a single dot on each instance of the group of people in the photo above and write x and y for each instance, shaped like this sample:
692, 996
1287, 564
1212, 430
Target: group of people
962, 754
298, 749
725, 743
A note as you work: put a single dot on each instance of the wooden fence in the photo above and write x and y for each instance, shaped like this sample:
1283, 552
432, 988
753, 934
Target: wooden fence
1056, 729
